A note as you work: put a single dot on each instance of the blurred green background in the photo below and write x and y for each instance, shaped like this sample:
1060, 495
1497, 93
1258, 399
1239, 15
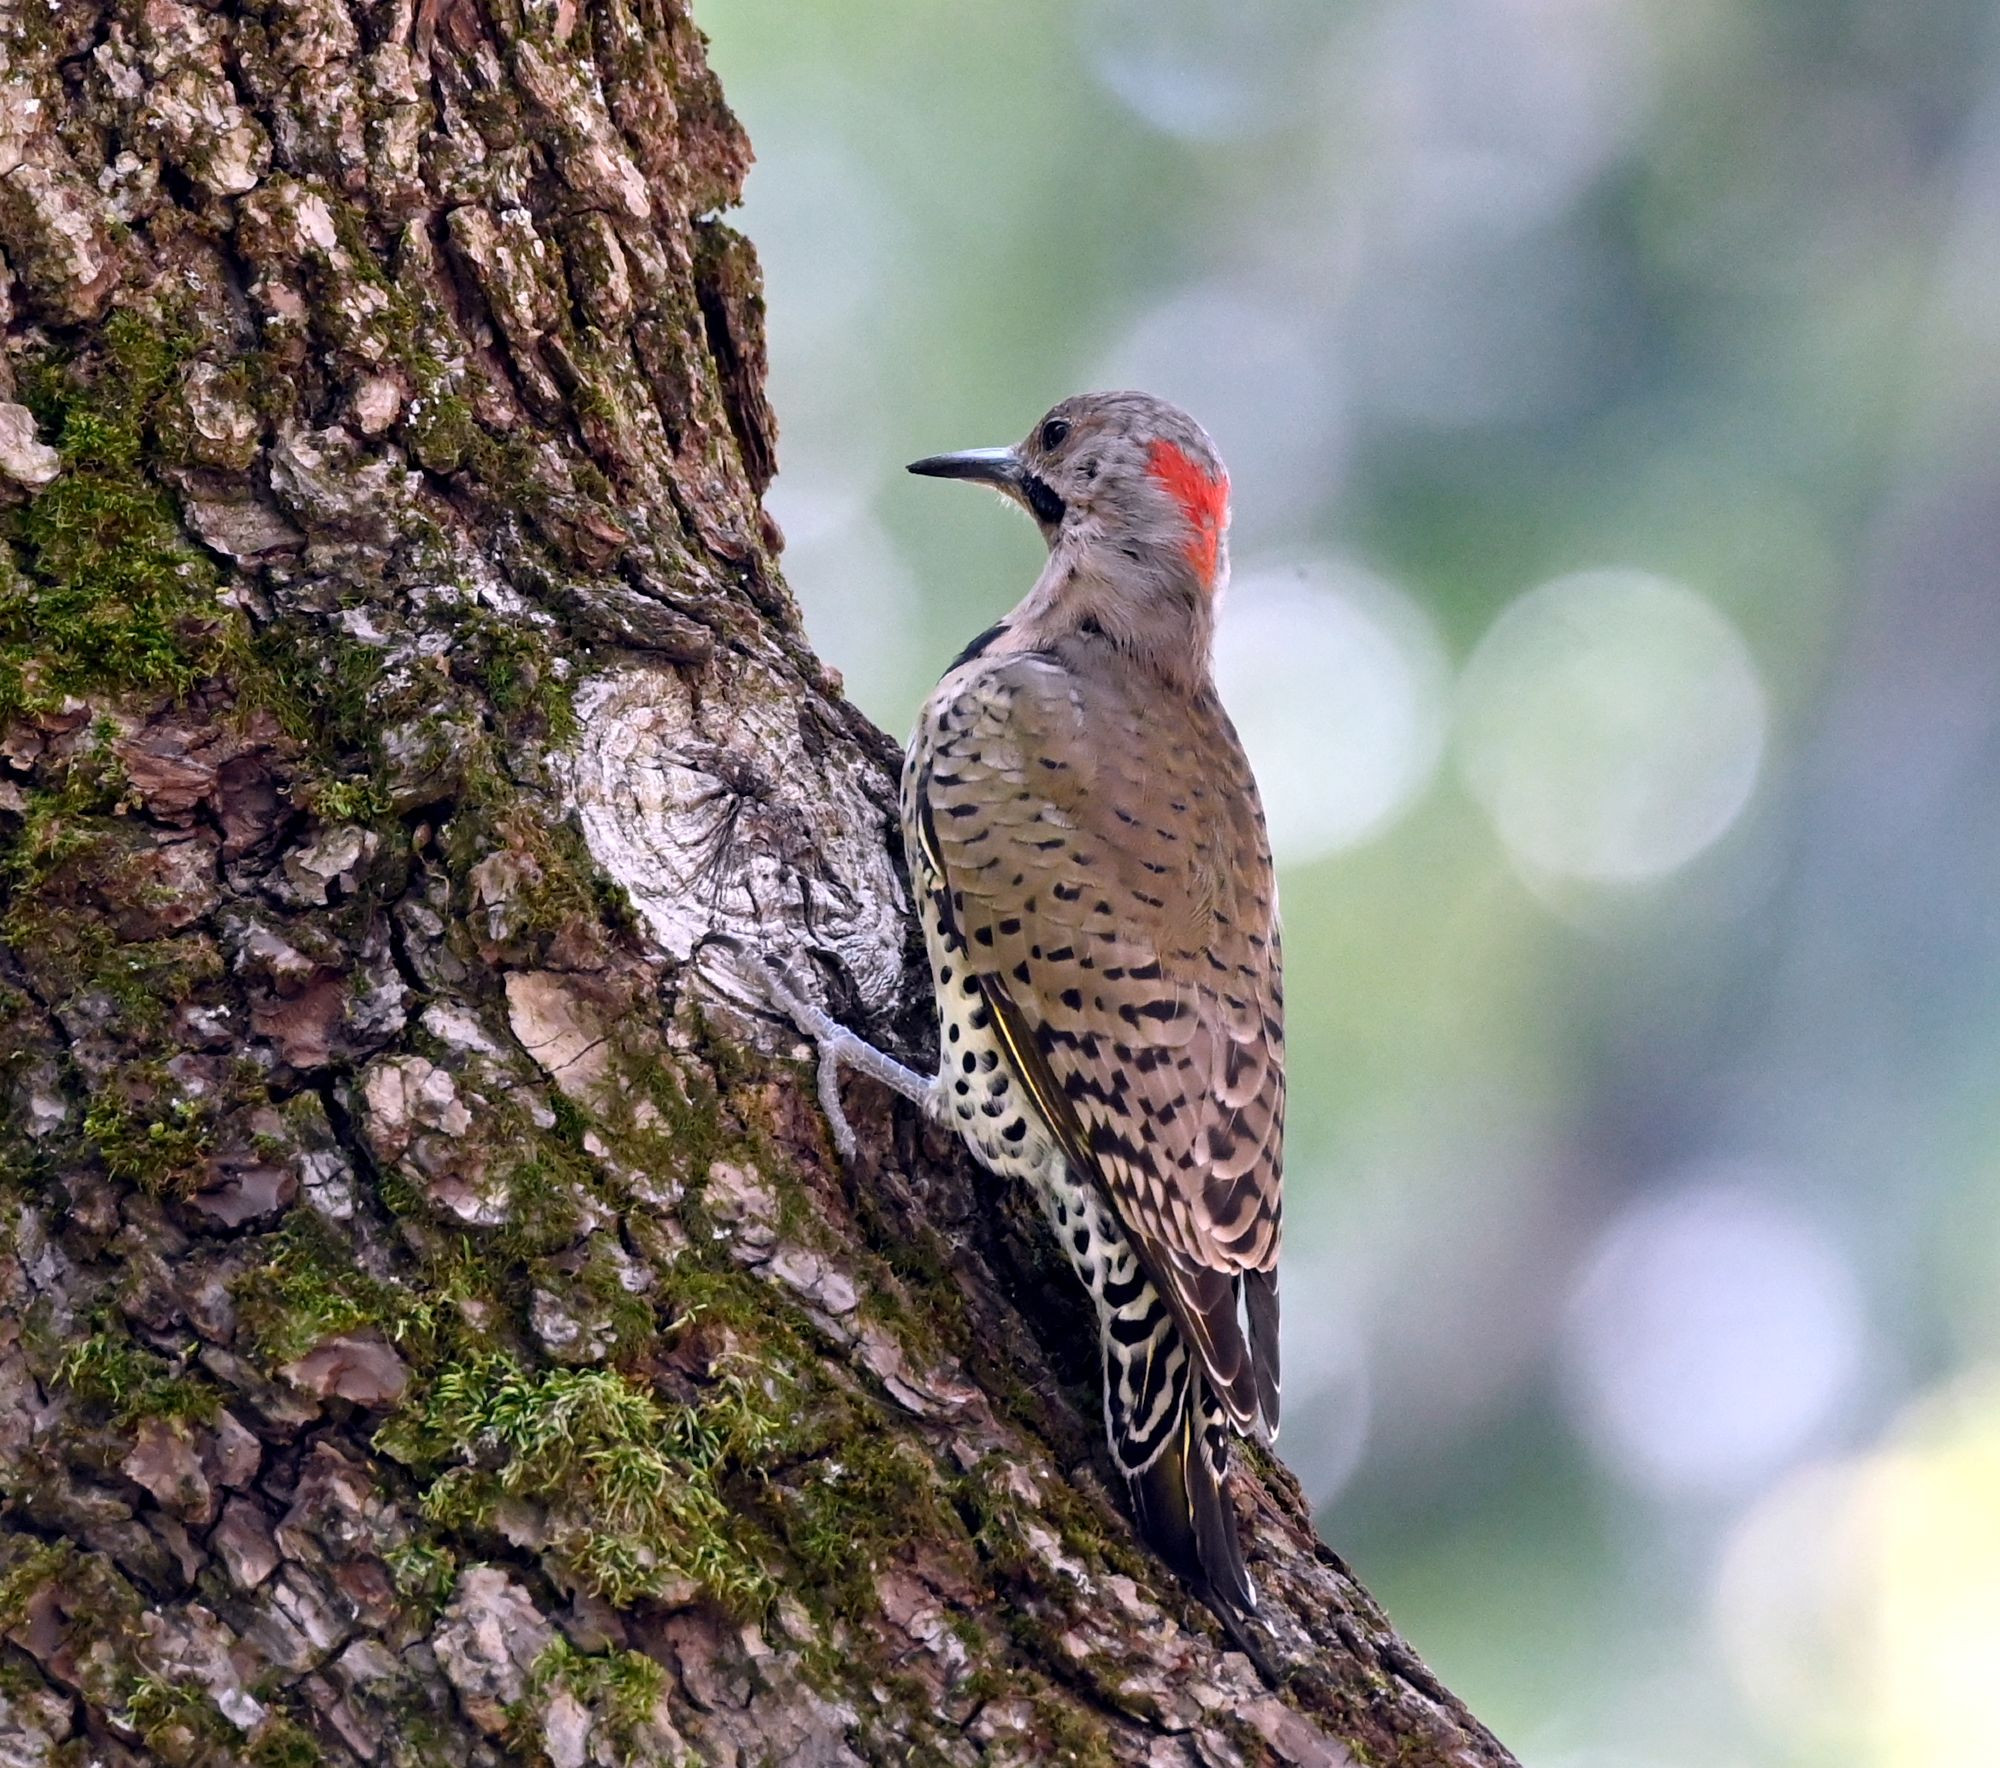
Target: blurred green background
1611, 390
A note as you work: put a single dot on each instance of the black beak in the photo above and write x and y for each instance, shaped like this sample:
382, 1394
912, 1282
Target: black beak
1006, 472
986, 466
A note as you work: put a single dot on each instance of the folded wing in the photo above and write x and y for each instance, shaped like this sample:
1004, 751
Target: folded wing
1105, 864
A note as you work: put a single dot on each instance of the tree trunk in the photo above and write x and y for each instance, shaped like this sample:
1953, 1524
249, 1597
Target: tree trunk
433, 1326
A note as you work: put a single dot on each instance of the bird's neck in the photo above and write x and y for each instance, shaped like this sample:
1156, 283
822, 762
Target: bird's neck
1145, 604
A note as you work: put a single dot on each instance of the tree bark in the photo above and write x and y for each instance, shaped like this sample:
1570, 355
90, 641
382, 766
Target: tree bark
433, 1326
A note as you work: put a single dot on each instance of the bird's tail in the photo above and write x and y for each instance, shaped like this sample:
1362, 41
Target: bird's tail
1182, 1503
1170, 1438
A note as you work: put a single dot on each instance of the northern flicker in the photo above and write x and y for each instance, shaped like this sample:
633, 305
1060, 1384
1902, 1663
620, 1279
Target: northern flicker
1090, 862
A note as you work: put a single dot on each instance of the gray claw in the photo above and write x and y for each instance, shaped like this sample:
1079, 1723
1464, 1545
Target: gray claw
828, 1039
838, 1047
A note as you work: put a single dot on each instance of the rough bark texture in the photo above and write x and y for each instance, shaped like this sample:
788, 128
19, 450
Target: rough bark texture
432, 1325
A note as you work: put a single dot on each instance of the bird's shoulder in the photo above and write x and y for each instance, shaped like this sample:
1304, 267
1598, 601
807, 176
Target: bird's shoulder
990, 689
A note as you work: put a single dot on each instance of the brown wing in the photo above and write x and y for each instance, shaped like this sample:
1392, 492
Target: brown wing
1104, 858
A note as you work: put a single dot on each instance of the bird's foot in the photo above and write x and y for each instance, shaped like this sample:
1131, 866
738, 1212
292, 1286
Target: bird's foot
840, 1048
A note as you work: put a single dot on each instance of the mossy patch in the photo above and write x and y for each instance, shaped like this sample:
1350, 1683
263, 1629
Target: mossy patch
162, 1147
128, 1382
26, 1567
99, 1608
514, 665
179, 1721
101, 588
280, 1742
665, 1120
71, 863
307, 1287
147, 978
176, 1720
548, 1185
623, 1688
554, 889
722, 1479
1070, 1736
999, 1522
319, 684
854, 1508
634, 1482
425, 1574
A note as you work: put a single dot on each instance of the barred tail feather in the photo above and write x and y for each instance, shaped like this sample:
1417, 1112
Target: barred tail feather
1169, 1435
1182, 1503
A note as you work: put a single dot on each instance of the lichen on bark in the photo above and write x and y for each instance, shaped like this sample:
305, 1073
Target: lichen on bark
432, 1325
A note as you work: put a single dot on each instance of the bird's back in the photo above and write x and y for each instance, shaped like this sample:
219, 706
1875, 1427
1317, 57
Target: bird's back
1099, 851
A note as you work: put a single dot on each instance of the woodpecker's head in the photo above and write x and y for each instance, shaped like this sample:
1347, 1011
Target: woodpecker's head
1124, 486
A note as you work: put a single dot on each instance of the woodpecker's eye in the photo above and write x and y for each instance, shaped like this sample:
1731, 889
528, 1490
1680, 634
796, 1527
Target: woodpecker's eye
1054, 431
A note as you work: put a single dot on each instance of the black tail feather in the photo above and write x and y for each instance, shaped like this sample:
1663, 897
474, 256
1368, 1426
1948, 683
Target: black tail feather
1183, 1509
1260, 1300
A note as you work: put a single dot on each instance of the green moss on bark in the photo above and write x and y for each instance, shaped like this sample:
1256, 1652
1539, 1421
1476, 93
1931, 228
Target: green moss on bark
162, 1146
634, 1482
102, 589
109, 1371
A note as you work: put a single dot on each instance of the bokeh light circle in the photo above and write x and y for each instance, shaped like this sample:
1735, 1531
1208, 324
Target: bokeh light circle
1714, 1333
1494, 116
1338, 684
1857, 1605
1612, 725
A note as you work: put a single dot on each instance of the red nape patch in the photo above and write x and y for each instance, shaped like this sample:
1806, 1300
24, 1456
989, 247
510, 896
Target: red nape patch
1204, 500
